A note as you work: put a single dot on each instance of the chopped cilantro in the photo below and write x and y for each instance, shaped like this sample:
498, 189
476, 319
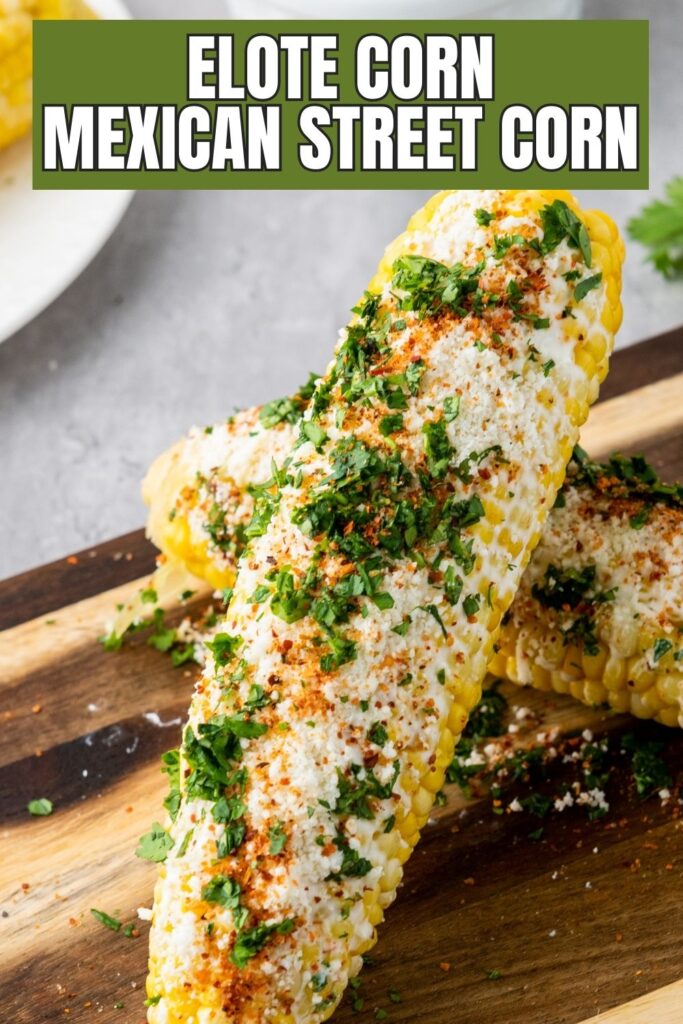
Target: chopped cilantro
451, 408
187, 838
650, 773
310, 431
432, 610
359, 788
40, 808
587, 285
390, 424
106, 919
414, 373
437, 447
112, 641
352, 865
560, 222
429, 286
251, 941
277, 837
256, 698
661, 647
231, 839
223, 647
225, 891
564, 588
378, 734
402, 628
155, 844
453, 585
639, 519
288, 410
515, 294
503, 243
488, 718
632, 478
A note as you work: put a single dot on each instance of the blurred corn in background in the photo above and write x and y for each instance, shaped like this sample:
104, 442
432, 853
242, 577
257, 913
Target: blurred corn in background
16, 57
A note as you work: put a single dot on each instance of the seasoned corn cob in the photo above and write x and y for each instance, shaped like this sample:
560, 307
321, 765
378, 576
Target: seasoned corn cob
599, 613
16, 49
616, 540
380, 560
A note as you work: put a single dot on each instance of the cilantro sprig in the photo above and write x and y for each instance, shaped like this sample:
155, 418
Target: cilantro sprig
659, 227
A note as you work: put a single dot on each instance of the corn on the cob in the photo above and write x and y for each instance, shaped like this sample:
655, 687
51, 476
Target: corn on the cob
16, 49
606, 626
380, 561
616, 541
599, 613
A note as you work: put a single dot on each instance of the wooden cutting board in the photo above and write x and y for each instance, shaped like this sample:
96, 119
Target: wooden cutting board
587, 920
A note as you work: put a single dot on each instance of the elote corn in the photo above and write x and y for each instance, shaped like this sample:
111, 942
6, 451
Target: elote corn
380, 558
16, 56
599, 612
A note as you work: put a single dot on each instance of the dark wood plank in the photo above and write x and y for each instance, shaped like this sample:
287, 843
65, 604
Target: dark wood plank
585, 919
664, 452
73, 701
645, 363
39, 591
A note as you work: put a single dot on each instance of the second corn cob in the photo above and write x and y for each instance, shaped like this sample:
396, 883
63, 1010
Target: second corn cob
599, 613
16, 48
381, 556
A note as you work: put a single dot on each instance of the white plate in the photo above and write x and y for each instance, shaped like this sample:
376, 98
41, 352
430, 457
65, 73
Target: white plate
48, 238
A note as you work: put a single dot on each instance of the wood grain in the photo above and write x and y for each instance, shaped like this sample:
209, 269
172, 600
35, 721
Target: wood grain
636, 418
664, 1006
583, 921
70, 579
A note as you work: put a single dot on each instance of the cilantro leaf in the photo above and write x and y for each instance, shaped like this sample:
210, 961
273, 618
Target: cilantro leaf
40, 808
106, 919
659, 227
277, 837
223, 647
650, 774
661, 647
483, 217
587, 285
155, 844
560, 222
390, 424
252, 940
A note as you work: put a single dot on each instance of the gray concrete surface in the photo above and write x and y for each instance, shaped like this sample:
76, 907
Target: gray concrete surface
204, 301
